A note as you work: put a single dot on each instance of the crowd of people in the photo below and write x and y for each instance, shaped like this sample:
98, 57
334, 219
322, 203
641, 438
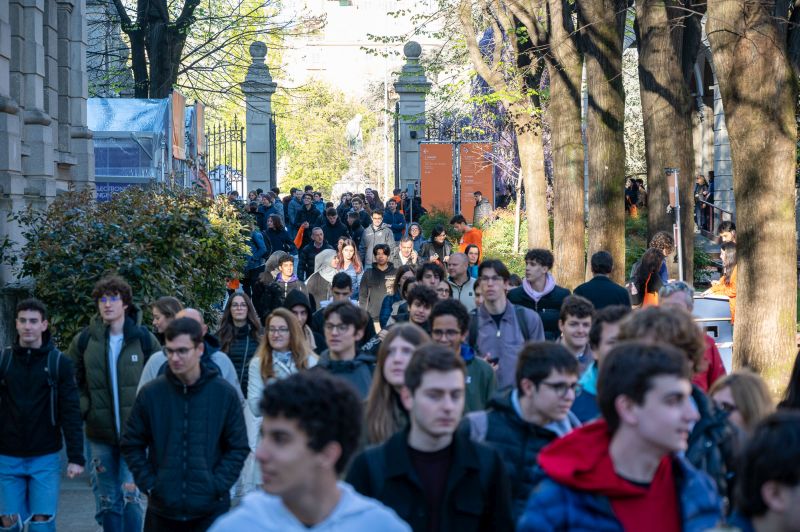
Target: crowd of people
398, 381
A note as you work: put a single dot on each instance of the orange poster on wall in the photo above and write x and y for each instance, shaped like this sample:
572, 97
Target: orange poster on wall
477, 174
436, 176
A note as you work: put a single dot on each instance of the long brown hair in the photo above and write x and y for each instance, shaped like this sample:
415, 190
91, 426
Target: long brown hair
750, 394
729, 263
356, 259
297, 344
227, 330
381, 422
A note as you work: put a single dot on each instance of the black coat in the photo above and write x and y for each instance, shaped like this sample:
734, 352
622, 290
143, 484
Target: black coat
603, 292
334, 232
186, 445
517, 441
317, 324
25, 409
358, 372
548, 308
374, 288
477, 496
312, 217
279, 241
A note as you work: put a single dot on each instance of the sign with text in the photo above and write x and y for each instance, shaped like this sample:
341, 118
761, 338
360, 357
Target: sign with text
436, 176
477, 174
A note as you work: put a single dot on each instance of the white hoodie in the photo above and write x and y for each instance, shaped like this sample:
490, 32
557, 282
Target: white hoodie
261, 512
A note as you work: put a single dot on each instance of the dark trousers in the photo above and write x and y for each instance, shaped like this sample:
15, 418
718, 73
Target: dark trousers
157, 523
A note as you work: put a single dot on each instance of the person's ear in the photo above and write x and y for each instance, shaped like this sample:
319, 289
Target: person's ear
776, 496
329, 455
626, 410
526, 387
359, 334
406, 398
561, 326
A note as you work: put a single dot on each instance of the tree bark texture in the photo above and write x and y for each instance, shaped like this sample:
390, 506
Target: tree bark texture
666, 113
602, 24
564, 64
752, 58
531, 157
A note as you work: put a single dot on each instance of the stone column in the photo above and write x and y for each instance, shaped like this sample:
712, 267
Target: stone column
81, 145
258, 89
412, 87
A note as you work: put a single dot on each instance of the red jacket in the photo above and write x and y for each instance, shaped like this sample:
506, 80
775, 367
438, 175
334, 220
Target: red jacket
714, 367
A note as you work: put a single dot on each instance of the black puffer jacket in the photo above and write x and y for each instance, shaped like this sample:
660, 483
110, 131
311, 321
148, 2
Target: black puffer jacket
517, 441
358, 372
240, 350
548, 308
186, 445
25, 406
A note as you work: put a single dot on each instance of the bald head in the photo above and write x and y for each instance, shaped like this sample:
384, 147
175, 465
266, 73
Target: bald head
457, 267
194, 314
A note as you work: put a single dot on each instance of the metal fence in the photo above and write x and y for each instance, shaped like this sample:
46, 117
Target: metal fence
224, 160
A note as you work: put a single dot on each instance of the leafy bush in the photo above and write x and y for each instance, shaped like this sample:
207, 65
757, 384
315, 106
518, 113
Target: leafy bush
434, 217
162, 241
498, 240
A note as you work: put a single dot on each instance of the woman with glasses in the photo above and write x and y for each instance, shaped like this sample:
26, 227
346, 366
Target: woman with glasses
438, 248
443, 290
239, 334
745, 397
385, 414
415, 232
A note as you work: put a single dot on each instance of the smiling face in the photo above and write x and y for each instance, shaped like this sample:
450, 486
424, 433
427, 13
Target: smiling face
394, 367
414, 231
418, 312
436, 406
575, 331
286, 268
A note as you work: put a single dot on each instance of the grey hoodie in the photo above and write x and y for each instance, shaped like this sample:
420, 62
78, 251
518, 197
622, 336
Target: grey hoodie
261, 512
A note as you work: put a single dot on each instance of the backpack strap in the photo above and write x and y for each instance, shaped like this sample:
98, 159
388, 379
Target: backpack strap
472, 339
522, 322
5, 364
53, 367
146, 343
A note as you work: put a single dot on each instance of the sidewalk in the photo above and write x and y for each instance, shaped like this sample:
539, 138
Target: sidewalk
76, 505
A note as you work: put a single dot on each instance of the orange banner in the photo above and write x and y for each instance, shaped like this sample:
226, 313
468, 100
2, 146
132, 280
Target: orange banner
436, 176
178, 126
476, 175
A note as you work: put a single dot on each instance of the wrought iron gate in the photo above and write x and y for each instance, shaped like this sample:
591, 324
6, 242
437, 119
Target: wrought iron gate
224, 160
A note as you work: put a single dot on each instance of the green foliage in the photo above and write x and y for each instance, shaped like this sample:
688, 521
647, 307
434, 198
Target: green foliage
438, 217
311, 135
162, 241
498, 240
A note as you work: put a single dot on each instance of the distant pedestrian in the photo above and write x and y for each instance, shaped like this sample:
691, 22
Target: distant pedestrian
483, 209
600, 289
469, 235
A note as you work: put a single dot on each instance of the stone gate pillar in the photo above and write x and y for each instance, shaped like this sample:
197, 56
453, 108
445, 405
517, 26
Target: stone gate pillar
258, 89
412, 86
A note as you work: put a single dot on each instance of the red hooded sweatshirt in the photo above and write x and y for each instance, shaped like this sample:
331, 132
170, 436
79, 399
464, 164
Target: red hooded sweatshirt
581, 461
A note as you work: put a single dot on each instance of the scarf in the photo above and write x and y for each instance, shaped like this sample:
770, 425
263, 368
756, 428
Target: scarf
283, 357
549, 285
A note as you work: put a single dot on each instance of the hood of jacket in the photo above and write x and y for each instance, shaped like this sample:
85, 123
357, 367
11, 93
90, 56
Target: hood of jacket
42, 351
297, 297
322, 264
580, 460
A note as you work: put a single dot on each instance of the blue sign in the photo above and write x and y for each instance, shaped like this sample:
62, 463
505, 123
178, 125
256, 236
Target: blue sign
105, 190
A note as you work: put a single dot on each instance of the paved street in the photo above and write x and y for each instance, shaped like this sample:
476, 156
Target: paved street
76, 506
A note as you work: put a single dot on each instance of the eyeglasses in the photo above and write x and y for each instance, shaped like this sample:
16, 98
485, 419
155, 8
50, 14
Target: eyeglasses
728, 408
443, 291
181, 352
238, 305
278, 330
561, 388
442, 333
338, 327
110, 299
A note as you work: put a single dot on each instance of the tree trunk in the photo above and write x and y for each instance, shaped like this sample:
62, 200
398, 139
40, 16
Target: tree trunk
564, 64
141, 79
666, 113
758, 88
603, 22
531, 157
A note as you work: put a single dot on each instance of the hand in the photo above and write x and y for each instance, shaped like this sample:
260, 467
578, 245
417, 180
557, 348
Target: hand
446, 258
383, 333
434, 257
305, 225
73, 470
413, 256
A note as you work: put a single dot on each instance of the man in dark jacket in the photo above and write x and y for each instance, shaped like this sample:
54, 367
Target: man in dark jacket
522, 420
626, 469
601, 290
286, 280
433, 476
307, 217
35, 410
376, 281
185, 440
354, 228
341, 290
539, 291
309, 253
394, 219
344, 327
377, 233
333, 229
109, 358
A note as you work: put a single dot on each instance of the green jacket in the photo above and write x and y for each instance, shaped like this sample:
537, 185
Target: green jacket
481, 382
94, 382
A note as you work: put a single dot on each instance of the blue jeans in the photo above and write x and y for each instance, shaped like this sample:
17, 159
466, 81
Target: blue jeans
118, 510
28, 487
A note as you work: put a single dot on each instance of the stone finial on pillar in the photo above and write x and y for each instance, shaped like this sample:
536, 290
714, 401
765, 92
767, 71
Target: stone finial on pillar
258, 89
411, 86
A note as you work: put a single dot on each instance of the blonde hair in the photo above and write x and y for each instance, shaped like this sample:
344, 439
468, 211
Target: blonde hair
380, 408
298, 345
750, 394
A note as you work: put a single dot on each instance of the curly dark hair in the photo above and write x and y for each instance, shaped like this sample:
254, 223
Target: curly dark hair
113, 285
541, 256
663, 242
326, 408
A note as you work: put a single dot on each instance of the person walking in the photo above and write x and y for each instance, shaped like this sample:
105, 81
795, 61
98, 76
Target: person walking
483, 209
239, 334
377, 233
376, 282
539, 291
600, 289
39, 405
185, 440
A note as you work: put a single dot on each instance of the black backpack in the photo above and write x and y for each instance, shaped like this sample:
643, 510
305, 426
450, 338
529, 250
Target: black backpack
52, 369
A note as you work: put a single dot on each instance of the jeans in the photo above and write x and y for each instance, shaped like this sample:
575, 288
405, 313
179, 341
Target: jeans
118, 510
28, 487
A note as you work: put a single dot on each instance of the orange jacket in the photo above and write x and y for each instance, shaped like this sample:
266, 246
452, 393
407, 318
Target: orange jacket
727, 290
473, 236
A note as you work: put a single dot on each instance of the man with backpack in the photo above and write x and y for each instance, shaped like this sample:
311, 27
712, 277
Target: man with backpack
212, 356
500, 328
109, 356
38, 403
